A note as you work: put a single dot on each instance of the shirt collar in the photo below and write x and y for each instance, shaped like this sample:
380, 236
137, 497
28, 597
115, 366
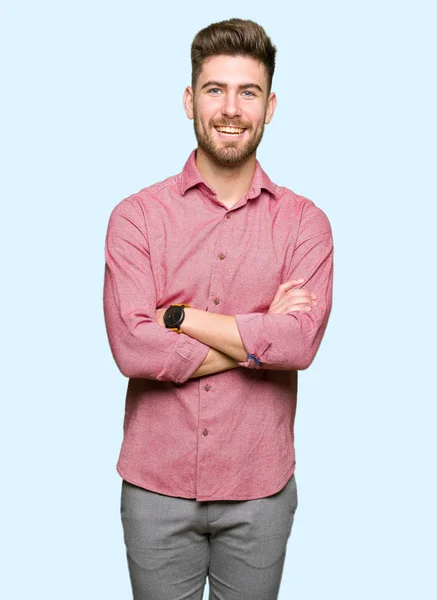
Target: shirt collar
191, 177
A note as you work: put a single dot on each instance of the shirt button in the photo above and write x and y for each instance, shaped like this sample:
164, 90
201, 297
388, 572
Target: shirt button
221, 256
228, 215
205, 432
217, 301
207, 387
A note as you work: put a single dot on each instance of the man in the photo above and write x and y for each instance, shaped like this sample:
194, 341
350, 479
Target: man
217, 291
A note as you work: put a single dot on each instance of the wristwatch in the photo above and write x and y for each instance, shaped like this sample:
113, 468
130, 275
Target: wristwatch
174, 315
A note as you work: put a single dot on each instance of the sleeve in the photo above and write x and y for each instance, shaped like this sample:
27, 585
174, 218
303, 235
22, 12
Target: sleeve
141, 348
290, 341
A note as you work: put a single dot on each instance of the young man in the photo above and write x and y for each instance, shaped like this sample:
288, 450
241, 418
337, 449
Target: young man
218, 288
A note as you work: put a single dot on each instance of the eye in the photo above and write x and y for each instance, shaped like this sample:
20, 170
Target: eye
248, 92
213, 90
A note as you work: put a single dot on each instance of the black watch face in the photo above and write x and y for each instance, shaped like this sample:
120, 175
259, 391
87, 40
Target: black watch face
173, 316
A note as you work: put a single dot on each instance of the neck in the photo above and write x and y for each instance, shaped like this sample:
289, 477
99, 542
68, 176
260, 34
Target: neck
230, 183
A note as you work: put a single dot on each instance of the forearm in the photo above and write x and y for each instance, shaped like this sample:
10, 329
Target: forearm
217, 331
141, 349
215, 362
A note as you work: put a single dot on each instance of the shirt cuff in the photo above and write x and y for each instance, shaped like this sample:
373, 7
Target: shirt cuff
186, 358
251, 329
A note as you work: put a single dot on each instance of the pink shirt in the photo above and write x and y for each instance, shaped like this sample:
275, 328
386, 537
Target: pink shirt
229, 435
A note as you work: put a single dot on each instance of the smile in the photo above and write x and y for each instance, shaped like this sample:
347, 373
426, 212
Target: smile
230, 131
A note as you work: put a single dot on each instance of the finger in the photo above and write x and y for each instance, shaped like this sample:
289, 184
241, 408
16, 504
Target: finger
287, 285
298, 293
287, 288
284, 287
299, 307
292, 282
300, 299
303, 290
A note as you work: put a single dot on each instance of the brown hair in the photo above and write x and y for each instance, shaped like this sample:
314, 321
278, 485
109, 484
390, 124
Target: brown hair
235, 37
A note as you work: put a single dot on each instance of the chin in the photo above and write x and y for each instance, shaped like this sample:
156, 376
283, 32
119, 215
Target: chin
231, 154
229, 159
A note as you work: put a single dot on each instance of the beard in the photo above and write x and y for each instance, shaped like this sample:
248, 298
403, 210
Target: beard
227, 153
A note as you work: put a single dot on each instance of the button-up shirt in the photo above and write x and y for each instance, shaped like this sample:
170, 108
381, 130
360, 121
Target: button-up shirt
227, 435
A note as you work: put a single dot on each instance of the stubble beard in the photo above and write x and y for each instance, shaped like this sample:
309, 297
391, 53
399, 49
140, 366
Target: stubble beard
226, 153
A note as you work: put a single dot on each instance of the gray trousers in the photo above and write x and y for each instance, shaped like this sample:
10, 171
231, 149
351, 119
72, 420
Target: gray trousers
174, 544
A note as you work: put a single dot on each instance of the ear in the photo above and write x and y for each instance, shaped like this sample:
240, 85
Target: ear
271, 106
188, 102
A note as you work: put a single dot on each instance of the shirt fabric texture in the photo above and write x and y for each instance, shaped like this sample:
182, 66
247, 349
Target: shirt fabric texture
228, 435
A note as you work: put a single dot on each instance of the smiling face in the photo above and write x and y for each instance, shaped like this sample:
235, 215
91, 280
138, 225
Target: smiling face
230, 107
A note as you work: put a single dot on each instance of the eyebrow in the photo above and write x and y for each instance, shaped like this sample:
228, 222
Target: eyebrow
244, 86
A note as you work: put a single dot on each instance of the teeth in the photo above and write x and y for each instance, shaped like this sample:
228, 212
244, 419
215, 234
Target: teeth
230, 129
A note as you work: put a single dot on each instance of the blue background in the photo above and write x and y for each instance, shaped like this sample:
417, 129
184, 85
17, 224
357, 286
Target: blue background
91, 110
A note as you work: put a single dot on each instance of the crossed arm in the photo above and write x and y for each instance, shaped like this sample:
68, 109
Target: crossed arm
286, 337
221, 334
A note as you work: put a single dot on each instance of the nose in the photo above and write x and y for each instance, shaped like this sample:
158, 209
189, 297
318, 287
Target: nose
231, 106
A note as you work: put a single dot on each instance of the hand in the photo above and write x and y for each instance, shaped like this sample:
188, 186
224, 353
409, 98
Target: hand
160, 316
289, 298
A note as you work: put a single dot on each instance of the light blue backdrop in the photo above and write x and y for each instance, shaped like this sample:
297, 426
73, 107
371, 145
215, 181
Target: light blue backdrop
91, 109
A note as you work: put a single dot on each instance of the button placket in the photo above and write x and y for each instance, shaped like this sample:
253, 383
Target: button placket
218, 275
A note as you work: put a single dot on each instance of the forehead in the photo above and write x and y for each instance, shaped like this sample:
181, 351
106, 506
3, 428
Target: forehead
234, 70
